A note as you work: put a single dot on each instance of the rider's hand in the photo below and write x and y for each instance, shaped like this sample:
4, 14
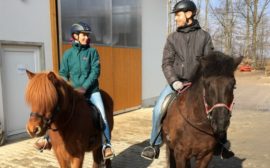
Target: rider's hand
81, 90
177, 85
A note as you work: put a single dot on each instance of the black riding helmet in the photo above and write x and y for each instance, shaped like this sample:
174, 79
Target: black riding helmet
185, 5
80, 27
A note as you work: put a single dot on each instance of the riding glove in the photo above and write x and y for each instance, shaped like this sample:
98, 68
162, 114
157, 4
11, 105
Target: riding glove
177, 85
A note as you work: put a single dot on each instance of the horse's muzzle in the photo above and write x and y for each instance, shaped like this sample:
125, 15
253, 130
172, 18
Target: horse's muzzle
35, 131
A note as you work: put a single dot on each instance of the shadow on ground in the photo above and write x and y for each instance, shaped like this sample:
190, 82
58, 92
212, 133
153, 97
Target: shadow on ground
234, 162
131, 157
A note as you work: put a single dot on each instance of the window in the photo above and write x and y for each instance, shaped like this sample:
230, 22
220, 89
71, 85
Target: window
113, 22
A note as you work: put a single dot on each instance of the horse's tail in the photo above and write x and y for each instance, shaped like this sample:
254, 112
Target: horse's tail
108, 105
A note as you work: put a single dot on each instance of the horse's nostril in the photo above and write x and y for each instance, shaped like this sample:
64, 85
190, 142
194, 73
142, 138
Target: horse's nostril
37, 130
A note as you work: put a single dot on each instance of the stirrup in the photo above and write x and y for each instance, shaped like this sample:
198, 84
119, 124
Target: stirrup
103, 152
151, 148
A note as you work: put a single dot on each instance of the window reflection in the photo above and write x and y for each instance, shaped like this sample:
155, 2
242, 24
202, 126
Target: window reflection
113, 22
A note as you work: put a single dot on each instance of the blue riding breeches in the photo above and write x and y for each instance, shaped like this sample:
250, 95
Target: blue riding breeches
96, 99
155, 138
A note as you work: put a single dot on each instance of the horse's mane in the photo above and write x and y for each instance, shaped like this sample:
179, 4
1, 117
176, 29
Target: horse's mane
217, 63
41, 93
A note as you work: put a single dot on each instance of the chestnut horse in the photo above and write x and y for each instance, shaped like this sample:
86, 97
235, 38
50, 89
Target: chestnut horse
67, 117
199, 117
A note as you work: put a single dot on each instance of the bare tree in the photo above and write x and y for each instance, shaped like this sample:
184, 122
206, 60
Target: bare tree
199, 2
256, 19
226, 19
262, 41
206, 15
247, 42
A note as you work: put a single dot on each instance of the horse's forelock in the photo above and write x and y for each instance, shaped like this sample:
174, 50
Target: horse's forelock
217, 63
41, 93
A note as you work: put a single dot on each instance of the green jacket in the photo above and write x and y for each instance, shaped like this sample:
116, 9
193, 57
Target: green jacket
80, 65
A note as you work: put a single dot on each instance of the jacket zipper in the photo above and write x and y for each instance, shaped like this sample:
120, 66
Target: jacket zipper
78, 55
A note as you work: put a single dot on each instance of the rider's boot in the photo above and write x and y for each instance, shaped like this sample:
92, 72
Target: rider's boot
151, 152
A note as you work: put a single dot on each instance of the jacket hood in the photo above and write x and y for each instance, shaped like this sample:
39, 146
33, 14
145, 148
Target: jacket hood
194, 26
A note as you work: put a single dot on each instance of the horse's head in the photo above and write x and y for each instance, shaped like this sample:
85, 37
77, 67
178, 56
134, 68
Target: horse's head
217, 74
42, 97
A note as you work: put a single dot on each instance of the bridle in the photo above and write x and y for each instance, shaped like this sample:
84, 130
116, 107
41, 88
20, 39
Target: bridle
47, 122
209, 109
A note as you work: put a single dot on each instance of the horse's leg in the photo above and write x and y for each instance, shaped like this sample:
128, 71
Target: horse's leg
97, 157
170, 157
77, 162
188, 164
60, 158
203, 162
108, 163
180, 160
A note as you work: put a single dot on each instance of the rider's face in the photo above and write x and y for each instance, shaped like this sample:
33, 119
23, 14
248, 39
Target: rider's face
182, 18
83, 38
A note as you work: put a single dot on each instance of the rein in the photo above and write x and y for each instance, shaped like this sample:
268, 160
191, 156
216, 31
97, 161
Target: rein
208, 109
186, 87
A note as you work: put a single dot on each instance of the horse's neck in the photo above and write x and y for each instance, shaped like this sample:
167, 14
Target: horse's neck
194, 101
67, 107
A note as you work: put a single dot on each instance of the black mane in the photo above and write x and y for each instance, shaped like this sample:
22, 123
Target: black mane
217, 64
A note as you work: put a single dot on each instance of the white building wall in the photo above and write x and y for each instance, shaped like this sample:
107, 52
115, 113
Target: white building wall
27, 21
154, 34
24, 23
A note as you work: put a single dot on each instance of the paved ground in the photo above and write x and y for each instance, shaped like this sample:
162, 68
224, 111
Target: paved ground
248, 133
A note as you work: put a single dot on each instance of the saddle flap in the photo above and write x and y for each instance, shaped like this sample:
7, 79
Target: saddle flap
167, 101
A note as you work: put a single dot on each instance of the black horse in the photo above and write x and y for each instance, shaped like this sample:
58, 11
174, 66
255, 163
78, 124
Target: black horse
198, 119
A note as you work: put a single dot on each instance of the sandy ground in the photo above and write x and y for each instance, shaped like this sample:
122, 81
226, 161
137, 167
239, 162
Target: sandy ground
249, 135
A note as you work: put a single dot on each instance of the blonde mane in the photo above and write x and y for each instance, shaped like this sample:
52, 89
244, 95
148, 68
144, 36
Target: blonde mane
40, 93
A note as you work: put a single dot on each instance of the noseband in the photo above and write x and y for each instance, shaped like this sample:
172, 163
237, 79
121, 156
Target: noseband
209, 109
47, 121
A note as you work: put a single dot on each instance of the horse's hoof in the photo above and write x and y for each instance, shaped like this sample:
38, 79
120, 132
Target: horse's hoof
226, 154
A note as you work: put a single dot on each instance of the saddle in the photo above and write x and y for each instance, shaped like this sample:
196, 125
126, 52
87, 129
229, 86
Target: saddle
96, 117
166, 103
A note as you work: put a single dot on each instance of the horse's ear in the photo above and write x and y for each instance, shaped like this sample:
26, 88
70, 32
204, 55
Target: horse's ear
30, 74
237, 61
52, 77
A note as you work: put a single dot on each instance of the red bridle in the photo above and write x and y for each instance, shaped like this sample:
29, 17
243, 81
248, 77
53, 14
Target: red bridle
208, 109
